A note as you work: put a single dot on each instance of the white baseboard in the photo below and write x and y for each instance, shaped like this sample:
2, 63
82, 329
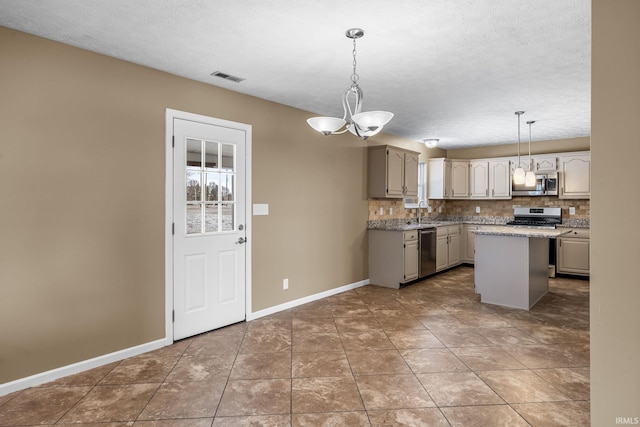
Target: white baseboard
307, 299
78, 367
75, 368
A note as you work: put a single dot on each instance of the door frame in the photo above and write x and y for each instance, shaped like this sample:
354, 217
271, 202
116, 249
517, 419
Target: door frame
170, 115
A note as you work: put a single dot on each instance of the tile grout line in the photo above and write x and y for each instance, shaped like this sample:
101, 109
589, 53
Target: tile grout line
87, 393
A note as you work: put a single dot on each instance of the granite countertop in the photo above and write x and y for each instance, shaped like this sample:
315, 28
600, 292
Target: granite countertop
407, 224
403, 226
580, 225
522, 232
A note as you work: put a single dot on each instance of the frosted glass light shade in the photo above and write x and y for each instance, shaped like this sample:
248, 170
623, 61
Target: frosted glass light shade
372, 120
326, 125
530, 179
430, 143
518, 176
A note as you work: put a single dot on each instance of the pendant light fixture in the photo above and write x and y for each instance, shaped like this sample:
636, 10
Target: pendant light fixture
358, 123
530, 178
518, 174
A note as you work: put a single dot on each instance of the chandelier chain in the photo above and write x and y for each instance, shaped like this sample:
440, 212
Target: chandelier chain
354, 76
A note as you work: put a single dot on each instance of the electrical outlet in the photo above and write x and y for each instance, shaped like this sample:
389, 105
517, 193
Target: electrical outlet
381, 211
477, 209
572, 210
285, 284
429, 209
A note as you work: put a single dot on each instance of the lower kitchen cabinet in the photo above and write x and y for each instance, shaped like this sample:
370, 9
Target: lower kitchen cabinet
393, 257
573, 252
448, 246
411, 255
468, 243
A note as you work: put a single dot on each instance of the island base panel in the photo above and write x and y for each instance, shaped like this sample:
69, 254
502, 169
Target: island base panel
511, 271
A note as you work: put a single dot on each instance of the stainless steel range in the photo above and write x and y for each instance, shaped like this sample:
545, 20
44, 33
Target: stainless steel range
536, 217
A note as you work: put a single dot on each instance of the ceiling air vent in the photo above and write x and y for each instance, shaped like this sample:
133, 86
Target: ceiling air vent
227, 76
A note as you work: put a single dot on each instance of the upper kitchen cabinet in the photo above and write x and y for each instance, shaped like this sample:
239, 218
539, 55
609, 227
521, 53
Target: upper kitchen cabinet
439, 178
448, 179
545, 163
459, 179
490, 179
393, 172
524, 163
500, 179
479, 179
575, 176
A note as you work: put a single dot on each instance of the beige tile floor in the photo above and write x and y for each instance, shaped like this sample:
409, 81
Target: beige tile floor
427, 355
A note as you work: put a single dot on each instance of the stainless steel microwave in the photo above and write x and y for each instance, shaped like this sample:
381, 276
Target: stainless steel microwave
546, 185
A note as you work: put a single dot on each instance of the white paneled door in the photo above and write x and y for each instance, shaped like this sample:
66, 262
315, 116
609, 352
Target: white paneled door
209, 250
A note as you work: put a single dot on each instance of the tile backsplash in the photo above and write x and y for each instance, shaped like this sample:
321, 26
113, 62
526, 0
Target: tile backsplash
394, 208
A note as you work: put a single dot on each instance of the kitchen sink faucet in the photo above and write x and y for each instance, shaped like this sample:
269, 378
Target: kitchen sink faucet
426, 205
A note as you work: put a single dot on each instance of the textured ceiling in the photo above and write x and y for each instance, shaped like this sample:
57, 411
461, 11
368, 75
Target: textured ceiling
456, 70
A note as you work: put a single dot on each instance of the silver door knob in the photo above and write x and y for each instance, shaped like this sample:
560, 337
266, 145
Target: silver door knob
241, 240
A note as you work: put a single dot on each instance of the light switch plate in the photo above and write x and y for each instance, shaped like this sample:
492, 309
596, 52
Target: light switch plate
572, 210
260, 209
477, 209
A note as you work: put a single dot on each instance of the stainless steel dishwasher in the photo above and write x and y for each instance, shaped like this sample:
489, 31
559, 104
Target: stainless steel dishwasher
427, 252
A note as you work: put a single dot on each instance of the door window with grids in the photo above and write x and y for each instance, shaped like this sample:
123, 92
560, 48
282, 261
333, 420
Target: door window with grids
210, 186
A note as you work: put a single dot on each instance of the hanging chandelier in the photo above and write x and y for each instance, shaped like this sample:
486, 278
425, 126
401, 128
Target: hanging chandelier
518, 174
530, 178
362, 124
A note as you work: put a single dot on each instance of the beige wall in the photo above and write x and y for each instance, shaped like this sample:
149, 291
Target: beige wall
538, 147
615, 235
82, 180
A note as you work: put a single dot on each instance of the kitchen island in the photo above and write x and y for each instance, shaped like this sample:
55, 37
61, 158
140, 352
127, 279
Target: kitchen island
512, 264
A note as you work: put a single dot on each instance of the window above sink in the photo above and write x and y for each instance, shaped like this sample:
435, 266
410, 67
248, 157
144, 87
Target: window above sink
412, 202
